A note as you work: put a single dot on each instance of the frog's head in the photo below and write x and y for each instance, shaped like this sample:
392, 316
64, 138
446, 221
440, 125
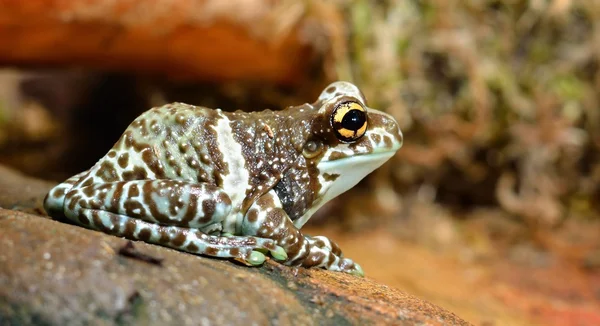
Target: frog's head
348, 140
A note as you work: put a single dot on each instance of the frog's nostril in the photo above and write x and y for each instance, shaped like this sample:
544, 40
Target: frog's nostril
391, 125
393, 128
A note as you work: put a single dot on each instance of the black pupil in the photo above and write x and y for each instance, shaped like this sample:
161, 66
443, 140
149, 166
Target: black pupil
354, 119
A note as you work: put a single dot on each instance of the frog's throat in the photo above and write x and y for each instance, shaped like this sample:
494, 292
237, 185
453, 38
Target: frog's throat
349, 172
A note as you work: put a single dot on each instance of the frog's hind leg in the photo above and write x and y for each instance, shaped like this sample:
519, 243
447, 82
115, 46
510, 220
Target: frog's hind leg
54, 201
165, 202
166, 212
176, 237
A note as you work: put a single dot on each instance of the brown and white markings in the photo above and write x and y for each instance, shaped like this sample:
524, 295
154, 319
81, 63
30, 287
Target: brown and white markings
233, 185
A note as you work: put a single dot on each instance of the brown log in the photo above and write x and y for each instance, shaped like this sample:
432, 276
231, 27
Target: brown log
200, 39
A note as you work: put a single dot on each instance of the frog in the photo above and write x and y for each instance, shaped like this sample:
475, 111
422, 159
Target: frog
233, 185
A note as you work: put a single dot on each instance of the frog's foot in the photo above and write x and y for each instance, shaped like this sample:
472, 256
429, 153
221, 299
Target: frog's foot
345, 265
323, 247
321, 252
257, 257
325, 242
267, 219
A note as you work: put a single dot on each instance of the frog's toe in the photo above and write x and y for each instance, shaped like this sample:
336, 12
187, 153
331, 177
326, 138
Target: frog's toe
256, 258
357, 271
350, 267
279, 253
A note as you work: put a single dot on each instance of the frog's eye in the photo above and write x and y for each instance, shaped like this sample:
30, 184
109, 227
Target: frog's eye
349, 121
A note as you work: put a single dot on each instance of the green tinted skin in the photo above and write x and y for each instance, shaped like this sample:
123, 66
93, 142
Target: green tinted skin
233, 185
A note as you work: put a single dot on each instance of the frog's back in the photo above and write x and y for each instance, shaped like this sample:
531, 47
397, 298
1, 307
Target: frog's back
175, 141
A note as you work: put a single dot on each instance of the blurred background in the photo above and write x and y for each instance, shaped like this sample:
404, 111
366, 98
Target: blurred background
491, 209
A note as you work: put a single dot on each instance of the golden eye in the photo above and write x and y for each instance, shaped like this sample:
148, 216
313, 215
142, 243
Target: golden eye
349, 121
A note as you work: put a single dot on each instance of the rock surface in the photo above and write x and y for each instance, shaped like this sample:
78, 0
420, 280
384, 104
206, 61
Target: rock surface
22, 193
215, 40
52, 273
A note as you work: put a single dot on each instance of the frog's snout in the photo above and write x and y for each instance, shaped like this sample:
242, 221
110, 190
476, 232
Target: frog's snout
393, 128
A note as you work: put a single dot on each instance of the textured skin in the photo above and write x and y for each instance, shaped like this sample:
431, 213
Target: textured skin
231, 185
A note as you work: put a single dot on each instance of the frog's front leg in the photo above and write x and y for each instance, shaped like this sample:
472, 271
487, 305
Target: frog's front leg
170, 213
266, 218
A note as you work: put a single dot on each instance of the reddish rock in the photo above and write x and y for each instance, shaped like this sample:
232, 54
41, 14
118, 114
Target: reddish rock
22, 193
58, 274
276, 41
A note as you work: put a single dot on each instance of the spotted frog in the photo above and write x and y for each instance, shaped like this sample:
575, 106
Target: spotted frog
233, 184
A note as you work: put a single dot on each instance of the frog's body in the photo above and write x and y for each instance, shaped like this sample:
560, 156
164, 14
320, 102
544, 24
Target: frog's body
233, 184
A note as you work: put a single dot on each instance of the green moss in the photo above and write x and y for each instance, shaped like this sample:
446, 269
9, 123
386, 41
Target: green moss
568, 87
498, 64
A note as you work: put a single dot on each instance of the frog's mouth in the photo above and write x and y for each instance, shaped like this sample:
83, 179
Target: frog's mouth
350, 171
337, 176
